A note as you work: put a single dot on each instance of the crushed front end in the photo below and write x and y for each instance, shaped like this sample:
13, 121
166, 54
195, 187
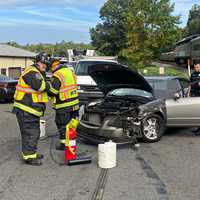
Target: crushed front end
114, 118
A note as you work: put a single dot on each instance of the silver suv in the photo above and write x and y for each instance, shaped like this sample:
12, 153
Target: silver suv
87, 88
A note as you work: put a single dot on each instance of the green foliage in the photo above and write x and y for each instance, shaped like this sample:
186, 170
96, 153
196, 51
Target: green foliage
14, 44
150, 27
169, 71
193, 24
136, 30
109, 37
58, 49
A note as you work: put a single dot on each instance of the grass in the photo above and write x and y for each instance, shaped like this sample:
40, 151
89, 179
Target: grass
168, 71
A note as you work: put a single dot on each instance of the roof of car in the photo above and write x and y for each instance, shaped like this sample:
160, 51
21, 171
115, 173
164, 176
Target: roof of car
98, 60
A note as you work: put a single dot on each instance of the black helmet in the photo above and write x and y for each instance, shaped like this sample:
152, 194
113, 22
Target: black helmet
43, 58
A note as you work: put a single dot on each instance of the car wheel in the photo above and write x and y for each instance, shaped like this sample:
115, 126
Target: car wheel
152, 128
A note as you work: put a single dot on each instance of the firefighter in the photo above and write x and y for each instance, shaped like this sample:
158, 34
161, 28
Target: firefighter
29, 105
64, 96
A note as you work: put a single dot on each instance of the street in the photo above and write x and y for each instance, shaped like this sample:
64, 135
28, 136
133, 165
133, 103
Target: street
165, 170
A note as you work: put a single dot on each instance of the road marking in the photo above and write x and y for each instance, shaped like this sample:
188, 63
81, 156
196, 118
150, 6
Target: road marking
100, 186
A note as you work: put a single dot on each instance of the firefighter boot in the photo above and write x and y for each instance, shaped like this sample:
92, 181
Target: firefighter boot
33, 161
40, 156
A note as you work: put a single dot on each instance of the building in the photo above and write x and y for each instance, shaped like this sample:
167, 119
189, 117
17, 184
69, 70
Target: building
13, 60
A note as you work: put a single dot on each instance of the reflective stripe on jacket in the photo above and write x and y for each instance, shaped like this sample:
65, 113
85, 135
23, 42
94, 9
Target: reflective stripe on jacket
68, 93
28, 109
22, 88
36, 97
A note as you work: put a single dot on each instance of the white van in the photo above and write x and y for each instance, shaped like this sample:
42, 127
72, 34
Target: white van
87, 88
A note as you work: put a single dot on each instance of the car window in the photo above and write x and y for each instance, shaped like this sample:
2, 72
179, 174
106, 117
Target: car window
82, 66
158, 84
173, 85
164, 88
130, 92
184, 83
185, 86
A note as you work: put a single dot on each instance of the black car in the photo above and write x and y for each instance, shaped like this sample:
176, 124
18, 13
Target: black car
128, 111
165, 86
7, 88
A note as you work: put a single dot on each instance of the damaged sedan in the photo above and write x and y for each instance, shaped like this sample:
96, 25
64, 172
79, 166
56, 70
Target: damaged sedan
128, 111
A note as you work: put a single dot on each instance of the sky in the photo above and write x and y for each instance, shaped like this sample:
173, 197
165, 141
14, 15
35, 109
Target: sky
51, 21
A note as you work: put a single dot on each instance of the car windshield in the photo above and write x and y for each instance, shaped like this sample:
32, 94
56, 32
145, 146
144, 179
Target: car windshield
5, 78
82, 66
129, 92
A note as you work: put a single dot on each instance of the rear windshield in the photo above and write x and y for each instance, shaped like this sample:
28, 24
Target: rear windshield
5, 78
82, 67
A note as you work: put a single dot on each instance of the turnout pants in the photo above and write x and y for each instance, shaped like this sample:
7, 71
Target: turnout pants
30, 133
63, 117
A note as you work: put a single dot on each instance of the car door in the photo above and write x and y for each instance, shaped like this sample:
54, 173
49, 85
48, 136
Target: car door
183, 112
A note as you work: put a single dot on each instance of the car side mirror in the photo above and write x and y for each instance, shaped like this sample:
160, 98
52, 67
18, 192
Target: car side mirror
177, 96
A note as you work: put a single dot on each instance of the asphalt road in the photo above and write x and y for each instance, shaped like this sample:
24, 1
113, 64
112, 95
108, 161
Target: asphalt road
165, 170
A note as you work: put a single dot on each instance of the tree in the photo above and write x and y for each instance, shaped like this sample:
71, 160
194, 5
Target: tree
13, 43
59, 49
193, 24
135, 30
150, 26
109, 37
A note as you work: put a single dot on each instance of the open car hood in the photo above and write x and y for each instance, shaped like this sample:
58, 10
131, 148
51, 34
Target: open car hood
113, 76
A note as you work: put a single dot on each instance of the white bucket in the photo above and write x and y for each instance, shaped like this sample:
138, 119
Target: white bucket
107, 155
42, 128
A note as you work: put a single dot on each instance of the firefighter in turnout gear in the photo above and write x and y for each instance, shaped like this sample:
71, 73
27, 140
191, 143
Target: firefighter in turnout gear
29, 105
64, 97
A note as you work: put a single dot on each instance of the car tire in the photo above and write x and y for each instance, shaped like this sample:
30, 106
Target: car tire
153, 127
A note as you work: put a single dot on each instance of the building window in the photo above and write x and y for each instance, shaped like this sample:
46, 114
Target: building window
14, 72
4, 71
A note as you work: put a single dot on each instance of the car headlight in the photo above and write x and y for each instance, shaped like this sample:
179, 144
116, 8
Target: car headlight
92, 104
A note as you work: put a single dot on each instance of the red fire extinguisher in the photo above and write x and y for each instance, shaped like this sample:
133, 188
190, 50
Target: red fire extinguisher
70, 145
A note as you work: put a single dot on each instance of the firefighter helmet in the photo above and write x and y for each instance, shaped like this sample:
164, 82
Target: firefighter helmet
43, 58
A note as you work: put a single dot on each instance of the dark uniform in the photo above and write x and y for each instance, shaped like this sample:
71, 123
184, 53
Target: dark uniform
29, 106
64, 99
195, 88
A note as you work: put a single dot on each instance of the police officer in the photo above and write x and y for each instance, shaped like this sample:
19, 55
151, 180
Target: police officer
29, 105
64, 95
195, 87
195, 77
